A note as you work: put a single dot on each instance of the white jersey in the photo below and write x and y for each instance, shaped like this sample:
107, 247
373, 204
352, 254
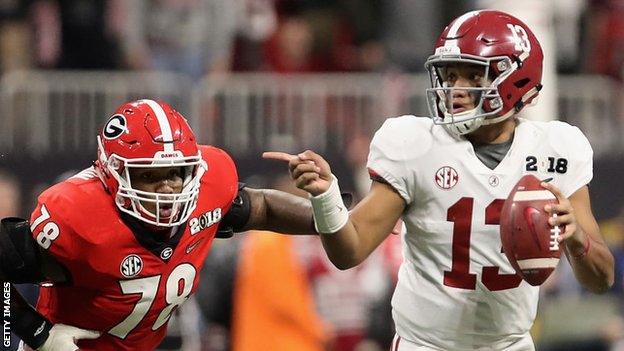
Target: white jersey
456, 289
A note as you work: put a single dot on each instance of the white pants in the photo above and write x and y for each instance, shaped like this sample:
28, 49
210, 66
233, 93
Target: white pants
400, 344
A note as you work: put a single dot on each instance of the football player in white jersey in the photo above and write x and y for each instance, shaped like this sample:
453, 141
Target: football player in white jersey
447, 177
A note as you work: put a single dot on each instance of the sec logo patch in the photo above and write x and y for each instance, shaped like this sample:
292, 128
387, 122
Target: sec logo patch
446, 177
131, 266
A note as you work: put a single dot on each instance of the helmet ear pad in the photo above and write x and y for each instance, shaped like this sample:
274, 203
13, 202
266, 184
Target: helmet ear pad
520, 88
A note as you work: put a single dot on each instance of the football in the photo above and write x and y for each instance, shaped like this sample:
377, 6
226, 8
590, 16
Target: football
529, 242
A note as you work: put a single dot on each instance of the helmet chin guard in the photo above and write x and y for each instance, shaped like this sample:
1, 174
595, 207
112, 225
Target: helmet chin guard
487, 99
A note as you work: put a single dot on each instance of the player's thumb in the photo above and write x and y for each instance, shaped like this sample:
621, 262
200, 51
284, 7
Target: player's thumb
79, 334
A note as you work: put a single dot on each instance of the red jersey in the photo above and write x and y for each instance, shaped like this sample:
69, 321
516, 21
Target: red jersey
125, 283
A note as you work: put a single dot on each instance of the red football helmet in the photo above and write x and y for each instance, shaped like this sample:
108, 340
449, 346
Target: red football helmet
145, 134
512, 60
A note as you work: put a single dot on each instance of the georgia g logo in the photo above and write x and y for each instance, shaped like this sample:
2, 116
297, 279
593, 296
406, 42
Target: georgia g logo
115, 126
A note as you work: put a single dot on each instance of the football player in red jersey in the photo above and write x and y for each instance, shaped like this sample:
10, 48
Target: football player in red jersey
124, 241
447, 176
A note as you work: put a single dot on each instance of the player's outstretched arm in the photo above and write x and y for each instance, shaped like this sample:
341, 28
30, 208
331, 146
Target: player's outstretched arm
348, 237
369, 224
267, 209
584, 247
279, 211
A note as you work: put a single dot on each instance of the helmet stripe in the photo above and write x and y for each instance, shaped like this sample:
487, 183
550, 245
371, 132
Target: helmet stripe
163, 123
455, 28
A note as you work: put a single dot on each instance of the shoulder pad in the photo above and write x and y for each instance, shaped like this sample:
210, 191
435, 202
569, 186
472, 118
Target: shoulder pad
399, 134
568, 140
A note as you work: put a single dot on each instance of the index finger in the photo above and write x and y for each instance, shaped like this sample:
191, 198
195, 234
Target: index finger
278, 155
553, 189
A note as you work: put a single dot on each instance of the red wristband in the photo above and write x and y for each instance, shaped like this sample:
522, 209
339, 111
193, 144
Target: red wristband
586, 247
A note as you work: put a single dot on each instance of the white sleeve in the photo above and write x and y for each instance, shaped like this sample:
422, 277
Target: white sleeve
392, 149
580, 170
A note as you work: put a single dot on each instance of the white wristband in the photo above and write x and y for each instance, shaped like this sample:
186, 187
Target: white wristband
330, 213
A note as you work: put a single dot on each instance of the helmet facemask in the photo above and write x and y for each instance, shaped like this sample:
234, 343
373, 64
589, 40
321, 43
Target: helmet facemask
132, 201
487, 100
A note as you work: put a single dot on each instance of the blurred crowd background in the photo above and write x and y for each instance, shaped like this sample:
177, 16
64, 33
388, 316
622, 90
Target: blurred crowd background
253, 75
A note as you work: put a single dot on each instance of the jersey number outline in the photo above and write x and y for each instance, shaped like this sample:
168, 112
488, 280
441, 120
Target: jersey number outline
459, 276
50, 230
148, 288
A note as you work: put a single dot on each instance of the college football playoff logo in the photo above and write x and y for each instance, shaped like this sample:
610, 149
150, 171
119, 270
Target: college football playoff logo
131, 266
115, 126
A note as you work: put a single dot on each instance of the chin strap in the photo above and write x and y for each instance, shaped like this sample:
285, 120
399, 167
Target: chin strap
488, 121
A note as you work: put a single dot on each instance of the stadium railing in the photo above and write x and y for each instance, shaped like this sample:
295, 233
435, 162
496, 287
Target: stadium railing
42, 111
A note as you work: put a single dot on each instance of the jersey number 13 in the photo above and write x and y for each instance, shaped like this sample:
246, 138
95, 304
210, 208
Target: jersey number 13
459, 276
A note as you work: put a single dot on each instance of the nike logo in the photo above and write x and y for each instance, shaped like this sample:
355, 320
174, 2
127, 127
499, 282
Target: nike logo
192, 246
40, 329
